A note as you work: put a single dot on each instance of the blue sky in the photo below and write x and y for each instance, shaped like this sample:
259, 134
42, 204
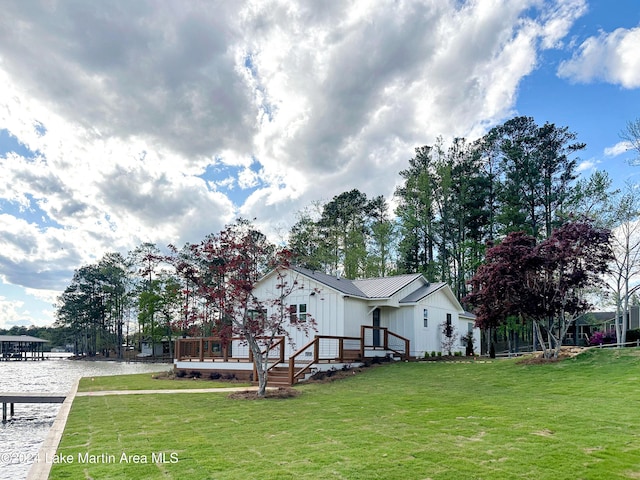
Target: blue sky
125, 122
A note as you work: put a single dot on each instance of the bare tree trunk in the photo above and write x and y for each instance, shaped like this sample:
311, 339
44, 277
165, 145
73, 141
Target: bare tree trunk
261, 362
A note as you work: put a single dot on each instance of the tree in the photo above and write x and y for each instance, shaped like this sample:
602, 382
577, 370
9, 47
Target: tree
625, 264
541, 284
537, 170
343, 224
449, 336
631, 134
382, 239
416, 213
232, 263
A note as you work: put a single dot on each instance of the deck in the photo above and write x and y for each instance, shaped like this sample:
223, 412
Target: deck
212, 355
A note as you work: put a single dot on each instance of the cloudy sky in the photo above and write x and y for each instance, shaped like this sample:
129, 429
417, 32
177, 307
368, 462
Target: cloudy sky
129, 121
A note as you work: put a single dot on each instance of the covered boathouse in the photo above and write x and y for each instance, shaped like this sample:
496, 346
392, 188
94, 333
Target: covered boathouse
21, 347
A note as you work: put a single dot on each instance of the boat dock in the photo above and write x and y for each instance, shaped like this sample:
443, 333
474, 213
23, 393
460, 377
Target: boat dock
9, 399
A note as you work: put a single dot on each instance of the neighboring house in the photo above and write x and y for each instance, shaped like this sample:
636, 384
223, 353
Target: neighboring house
407, 305
159, 348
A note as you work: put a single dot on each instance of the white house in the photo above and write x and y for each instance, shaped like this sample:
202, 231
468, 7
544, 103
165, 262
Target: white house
402, 316
407, 305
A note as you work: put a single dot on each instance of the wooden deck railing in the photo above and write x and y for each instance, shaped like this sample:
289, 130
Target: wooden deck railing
323, 348
280, 352
215, 348
383, 340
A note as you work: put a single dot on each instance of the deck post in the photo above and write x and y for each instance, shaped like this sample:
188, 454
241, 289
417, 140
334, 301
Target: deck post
201, 347
340, 349
4, 412
362, 341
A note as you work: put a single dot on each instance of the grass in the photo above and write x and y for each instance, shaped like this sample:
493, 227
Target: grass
147, 381
572, 419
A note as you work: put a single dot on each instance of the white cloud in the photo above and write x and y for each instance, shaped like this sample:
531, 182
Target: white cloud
586, 165
618, 149
143, 113
12, 313
610, 57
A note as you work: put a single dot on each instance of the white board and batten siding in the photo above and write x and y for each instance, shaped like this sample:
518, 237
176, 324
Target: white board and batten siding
340, 307
324, 305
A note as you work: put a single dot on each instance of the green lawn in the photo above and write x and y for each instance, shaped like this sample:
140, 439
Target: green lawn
147, 381
576, 419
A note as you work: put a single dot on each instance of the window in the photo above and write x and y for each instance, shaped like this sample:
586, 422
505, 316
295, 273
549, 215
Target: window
449, 328
470, 327
257, 315
298, 313
425, 317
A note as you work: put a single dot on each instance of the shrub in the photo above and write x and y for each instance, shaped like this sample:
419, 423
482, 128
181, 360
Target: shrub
433, 353
195, 374
599, 338
457, 354
468, 343
439, 354
633, 335
215, 375
180, 373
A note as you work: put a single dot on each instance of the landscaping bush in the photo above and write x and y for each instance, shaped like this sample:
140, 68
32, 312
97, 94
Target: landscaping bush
602, 338
215, 376
633, 335
180, 373
195, 374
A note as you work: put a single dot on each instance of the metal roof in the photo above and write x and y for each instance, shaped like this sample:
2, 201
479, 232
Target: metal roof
385, 287
422, 292
21, 338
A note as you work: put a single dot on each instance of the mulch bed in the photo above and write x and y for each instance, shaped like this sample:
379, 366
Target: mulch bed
280, 393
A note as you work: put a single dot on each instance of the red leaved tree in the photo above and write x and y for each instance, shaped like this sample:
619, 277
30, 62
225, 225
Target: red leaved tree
229, 265
541, 284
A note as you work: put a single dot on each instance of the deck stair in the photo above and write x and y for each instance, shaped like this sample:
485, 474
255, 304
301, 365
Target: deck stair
279, 377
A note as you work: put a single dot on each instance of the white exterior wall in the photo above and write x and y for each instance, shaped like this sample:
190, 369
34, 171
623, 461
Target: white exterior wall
340, 315
355, 315
324, 305
429, 339
464, 323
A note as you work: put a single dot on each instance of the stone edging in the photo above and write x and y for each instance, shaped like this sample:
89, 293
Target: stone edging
41, 468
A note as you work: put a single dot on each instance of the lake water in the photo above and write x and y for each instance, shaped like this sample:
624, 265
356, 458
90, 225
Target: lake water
22, 435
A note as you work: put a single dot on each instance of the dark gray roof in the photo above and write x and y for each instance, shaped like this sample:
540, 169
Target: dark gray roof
595, 318
21, 338
343, 285
422, 292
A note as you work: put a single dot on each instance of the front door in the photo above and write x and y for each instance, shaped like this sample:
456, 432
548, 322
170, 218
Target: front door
376, 323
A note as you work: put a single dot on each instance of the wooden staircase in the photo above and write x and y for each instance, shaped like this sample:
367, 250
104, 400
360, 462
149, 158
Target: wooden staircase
278, 377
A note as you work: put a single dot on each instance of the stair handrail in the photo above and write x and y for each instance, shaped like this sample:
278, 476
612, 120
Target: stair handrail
279, 343
404, 355
293, 375
280, 360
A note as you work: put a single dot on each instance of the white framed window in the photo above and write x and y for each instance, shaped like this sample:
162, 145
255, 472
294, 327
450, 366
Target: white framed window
298, 313
425, 317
